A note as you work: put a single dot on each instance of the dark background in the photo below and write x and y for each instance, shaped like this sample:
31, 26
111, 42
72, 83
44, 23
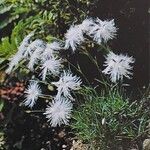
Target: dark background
132, 19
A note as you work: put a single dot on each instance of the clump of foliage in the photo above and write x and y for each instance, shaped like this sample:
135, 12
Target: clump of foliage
45, 17
8, 46
14, 10
107, 120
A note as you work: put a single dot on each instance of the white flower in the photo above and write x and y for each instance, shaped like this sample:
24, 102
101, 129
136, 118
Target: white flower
25, 43
103, 30
32, 94
19, 55
74, 37
59, 112
35, 56
118, 66
33, 46
13, 62
51, 49
55, 45
87, 25
66, 84
50, 66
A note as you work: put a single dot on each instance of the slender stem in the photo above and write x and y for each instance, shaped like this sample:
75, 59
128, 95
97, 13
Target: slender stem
79, 70
39, 81
34, 111
46, 96
107, 49
94, 61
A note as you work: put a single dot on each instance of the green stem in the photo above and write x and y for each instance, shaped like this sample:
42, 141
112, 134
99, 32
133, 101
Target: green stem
94, 61
46, 96
79, 70
39, 81
107, 49
34, 111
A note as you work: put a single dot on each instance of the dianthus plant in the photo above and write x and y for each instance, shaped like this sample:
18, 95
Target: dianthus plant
49, 61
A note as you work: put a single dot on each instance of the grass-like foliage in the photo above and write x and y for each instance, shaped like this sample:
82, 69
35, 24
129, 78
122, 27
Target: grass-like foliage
106, 120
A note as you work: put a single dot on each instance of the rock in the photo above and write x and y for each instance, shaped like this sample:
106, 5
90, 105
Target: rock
64, 146
78, 145
146, 144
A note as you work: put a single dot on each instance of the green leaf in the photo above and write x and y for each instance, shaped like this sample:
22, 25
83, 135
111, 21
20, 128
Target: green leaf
7, 21
4, 9
1, 105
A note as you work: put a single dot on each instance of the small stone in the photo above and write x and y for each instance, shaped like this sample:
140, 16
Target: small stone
61, 134
64, 146
146, 144
78, 145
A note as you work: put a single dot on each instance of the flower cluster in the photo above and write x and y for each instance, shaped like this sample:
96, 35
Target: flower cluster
38, 52
46, 57
100, 31
66, 84
20, 54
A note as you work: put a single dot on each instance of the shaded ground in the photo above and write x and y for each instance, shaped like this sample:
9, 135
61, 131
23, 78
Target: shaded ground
31, 132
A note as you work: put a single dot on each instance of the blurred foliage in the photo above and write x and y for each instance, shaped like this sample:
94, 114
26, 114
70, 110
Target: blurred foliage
107, 119
50, 11
8, 45
2, 141
1, 105
46, 18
